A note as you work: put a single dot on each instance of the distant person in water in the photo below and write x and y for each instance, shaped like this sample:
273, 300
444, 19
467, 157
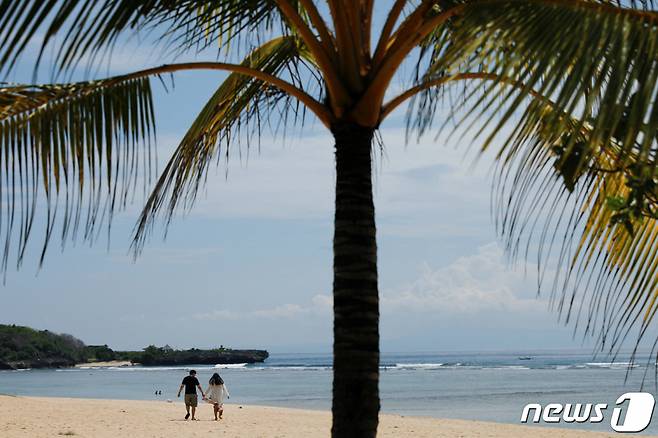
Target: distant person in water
215, 395
190, 383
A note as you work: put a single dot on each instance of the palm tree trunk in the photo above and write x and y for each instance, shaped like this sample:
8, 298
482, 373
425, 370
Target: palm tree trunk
356, 300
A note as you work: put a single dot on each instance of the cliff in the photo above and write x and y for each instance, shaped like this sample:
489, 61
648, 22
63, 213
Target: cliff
24, 347
154, 356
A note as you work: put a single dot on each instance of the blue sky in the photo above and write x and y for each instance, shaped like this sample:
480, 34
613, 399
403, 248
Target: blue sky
250, 266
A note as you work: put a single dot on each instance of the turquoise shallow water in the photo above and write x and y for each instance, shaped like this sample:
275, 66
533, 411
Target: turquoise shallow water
488, 386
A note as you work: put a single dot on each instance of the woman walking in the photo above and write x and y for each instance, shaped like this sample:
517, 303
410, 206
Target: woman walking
215, 395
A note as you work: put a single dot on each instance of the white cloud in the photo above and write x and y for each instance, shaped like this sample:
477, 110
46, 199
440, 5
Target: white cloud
320, 305
482, 282
217, 315
420, 189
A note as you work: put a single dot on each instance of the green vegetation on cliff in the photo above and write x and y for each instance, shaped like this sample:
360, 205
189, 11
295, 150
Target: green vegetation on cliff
24, 347
153, 355
100, 353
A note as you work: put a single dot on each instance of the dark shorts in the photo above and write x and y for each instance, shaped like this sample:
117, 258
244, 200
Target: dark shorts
191, 400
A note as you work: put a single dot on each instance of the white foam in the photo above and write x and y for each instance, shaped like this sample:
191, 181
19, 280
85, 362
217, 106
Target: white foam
511, 367
612, 365
295, 368
414, 366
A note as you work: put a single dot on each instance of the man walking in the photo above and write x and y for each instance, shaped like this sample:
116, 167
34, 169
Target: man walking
191, 401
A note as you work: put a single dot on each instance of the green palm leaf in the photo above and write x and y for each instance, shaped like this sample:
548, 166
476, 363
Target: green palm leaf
91, 28
240, 104
77, 144
577, 171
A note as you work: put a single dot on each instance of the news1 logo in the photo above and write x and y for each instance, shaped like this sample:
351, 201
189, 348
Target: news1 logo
637, 412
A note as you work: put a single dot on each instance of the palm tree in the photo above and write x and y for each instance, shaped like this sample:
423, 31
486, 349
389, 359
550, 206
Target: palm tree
565, 90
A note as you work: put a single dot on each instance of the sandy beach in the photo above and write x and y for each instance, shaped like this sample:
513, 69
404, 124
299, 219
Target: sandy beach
36, 417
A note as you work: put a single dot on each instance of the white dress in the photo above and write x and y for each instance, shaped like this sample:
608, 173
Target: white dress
215, 394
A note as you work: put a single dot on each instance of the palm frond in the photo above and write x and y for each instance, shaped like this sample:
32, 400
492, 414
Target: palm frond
90, 29
582, 215
240, 104
577, 169
72, 144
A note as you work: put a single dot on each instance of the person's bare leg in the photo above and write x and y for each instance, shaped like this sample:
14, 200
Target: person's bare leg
187, 408
221, 411
216, 410
193, 412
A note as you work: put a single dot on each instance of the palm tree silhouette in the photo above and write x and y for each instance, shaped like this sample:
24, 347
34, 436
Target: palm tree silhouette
564, 89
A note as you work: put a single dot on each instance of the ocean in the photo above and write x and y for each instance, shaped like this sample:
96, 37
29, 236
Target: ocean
475, 386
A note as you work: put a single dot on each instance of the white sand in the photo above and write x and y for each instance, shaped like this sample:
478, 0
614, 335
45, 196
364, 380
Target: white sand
32, 417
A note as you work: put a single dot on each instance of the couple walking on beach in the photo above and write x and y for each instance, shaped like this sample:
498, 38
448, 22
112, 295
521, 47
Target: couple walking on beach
213, 395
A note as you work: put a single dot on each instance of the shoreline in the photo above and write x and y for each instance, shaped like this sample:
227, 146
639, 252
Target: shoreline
25, 417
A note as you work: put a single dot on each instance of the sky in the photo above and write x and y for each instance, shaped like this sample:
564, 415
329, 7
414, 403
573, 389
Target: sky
251, 265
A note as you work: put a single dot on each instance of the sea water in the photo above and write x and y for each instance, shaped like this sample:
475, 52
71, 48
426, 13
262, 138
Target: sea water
476, 386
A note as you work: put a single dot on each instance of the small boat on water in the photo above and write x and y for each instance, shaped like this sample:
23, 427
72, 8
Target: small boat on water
525, 357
